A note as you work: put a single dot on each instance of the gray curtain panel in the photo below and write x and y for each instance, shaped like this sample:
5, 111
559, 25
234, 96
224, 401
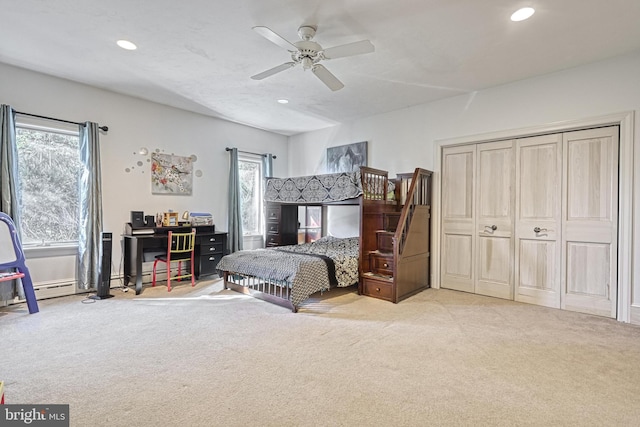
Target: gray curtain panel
89, 247
235, 208
267, 165
9, 187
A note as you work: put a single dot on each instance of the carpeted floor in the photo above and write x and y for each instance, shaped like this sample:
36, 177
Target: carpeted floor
210, 357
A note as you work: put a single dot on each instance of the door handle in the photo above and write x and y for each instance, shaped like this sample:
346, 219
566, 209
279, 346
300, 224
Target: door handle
538, 229
490, 228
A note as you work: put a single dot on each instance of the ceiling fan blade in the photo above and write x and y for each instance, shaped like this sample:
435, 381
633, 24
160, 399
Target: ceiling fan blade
327, 78
270, 35
274, 70
349, 49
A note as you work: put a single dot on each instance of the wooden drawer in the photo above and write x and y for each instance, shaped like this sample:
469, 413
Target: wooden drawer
272, 240
273, 213
378, 288
381, 264
273, 228
211, 248
208, 263
208, 238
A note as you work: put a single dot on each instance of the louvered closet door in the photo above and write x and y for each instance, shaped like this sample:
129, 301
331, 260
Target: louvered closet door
458, 225
494, 225
537, 220
589, 221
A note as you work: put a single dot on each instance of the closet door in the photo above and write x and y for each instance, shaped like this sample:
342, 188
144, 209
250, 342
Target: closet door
494, 225
458, 235
537, 220
589, 221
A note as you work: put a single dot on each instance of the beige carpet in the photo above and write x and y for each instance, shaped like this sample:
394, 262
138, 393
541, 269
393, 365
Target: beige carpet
210, 357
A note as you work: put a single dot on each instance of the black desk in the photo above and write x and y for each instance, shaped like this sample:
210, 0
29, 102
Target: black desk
210, 247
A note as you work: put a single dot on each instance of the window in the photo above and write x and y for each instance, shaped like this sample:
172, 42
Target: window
49, 169
309, 223
250, 168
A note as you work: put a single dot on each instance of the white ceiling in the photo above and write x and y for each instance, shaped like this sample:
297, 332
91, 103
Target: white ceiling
199, 54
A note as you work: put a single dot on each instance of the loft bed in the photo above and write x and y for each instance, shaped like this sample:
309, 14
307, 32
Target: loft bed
334, 188
393, 216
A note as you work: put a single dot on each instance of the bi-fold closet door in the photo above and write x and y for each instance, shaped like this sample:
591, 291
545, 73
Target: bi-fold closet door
534, 219
477, 218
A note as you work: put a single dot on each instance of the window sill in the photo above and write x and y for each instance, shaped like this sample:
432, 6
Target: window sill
253, 236
50, 251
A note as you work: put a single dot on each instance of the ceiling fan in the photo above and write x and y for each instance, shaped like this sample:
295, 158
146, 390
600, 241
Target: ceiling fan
308, 53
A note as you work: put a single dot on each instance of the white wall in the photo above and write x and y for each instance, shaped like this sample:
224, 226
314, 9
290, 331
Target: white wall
134, 123
402, 140
343, 220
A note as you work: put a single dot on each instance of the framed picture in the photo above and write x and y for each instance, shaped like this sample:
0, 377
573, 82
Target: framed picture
171, 174
347, 158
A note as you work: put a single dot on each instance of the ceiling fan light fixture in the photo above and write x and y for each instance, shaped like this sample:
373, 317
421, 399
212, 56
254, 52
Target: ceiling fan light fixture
283, 101
307, 63
522, 14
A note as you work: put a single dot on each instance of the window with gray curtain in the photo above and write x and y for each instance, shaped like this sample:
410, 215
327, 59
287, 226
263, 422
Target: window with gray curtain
246, 189
50, 185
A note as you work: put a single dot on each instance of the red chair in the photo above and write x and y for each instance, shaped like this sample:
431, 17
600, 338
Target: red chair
180, 248
12, 263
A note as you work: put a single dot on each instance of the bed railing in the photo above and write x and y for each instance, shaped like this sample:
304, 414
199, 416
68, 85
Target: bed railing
375, 183
275, 291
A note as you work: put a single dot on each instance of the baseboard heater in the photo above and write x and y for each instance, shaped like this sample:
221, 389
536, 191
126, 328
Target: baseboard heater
55, 289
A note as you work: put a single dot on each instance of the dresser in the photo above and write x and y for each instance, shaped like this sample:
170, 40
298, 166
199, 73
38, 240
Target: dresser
281, 224
210, 248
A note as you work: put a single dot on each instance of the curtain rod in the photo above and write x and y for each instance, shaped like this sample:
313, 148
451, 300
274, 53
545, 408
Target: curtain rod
103, 128
248, 152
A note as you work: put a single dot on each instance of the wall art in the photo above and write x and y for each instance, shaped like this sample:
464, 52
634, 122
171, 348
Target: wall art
171, 174
347, 158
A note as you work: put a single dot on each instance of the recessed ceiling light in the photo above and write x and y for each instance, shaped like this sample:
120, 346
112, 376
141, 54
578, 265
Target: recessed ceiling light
522, 14
126, 44
283, 101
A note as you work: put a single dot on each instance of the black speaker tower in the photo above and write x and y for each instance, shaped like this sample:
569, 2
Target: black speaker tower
104, 283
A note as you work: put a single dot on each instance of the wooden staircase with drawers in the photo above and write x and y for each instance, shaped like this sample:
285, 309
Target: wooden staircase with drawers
395, 240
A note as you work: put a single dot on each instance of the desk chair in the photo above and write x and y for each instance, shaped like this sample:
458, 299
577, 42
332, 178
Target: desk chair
180, 248
12, 259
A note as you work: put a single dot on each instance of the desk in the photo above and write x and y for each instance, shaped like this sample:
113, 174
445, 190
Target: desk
210, 247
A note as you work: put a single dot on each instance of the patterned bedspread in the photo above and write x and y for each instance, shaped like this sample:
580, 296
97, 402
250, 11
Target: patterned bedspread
343, 252
304, 267
314, 188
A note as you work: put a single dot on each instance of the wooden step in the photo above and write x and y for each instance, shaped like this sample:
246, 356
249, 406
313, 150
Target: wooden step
390, 220
384, 240
378, 277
